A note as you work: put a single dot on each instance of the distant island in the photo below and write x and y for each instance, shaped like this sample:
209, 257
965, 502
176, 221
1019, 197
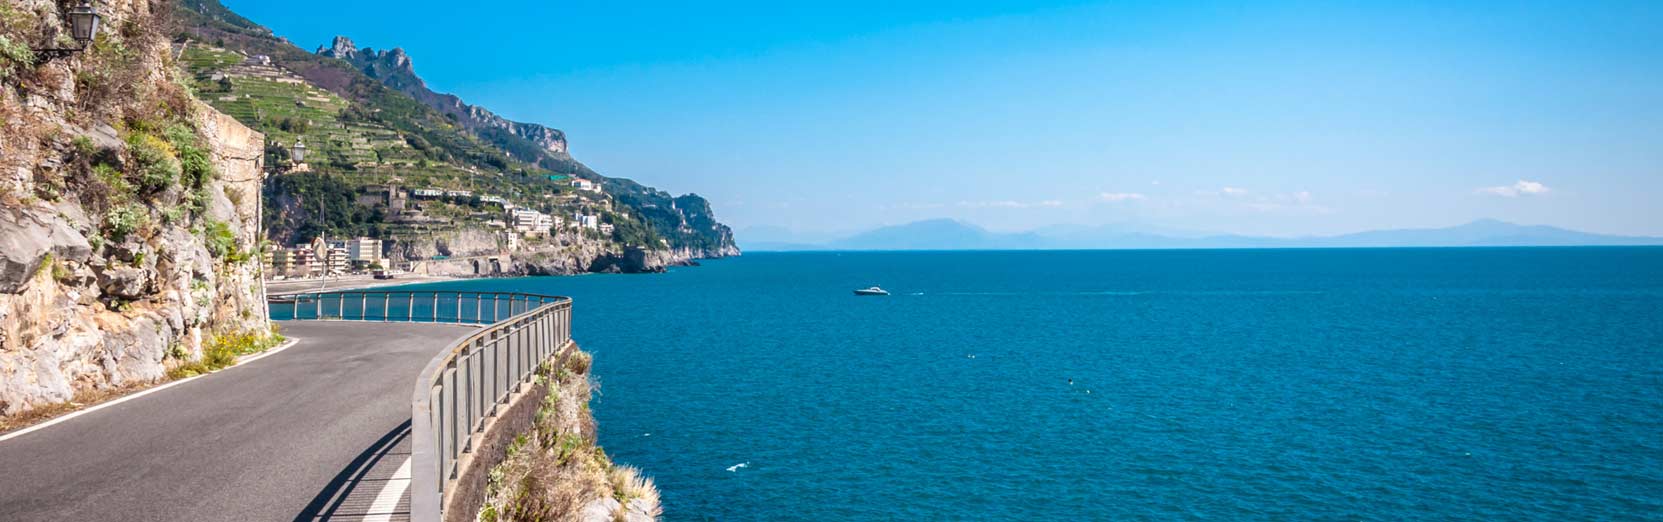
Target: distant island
950, 234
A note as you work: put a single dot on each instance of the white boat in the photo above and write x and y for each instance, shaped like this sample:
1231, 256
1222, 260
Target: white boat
871, 291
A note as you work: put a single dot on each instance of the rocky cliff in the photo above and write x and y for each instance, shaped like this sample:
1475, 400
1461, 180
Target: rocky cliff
129, 212
477, 252
394, 69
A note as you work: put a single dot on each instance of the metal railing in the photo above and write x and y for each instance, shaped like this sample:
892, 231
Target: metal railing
461, 390
418, 307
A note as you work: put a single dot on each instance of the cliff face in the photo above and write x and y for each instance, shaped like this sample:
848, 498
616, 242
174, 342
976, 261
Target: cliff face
394, 69
477, 252
555, 471
129, 212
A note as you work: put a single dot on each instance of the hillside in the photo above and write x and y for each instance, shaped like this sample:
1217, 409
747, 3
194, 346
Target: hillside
372, 129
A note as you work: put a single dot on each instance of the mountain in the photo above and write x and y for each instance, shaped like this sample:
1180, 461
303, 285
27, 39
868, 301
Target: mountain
935, 234
948, 234
373, 128
1484, 232
395, 69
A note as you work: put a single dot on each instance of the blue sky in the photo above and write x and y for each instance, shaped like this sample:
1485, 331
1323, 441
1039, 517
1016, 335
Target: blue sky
1276, 118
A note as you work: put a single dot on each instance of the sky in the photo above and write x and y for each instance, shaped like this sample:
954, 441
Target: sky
1267, 118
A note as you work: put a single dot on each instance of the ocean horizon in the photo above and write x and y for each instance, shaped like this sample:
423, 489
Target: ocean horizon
1519, 383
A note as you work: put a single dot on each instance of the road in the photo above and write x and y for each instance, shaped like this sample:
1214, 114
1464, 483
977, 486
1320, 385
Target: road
294, 286
319, 428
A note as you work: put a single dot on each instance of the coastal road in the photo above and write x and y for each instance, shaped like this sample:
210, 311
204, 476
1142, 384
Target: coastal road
318, 429
355, 282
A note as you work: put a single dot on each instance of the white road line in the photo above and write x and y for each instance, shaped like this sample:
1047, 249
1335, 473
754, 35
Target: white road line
144, 392
386, 502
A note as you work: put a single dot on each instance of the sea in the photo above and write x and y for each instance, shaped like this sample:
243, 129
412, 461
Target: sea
1298, 384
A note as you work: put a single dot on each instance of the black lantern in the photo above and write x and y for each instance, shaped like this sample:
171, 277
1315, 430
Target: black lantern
83, 23
83, 26
298, 151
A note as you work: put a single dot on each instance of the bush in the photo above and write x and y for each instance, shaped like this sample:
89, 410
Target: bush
154, 165
195, 167
124, 220
222, 242
14, 54
224, 349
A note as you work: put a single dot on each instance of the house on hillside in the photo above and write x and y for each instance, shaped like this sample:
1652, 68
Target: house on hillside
583, 184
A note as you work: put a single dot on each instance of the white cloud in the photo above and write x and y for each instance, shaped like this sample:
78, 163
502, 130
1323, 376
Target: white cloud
1120, 196
1233, 191
1520, 188
1050, 203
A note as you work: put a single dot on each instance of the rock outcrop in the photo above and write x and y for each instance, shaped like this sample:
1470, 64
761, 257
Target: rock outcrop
121, 252
394, 69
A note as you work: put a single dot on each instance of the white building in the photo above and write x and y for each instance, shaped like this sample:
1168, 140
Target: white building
583, 184
586, 221
527, 221
363, 251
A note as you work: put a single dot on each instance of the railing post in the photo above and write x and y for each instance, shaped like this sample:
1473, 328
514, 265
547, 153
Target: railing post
363, 306
386, 307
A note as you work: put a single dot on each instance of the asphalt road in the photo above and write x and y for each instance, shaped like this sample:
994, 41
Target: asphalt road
257, 441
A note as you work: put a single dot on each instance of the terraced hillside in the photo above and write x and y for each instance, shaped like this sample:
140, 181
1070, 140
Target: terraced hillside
362, 136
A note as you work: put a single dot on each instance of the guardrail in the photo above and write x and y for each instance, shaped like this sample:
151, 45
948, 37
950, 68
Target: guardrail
459, 393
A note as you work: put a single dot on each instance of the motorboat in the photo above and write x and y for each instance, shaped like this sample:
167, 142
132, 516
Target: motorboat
871, 291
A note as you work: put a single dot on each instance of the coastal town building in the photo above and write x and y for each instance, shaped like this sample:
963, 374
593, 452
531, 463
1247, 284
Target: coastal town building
589, 221
283, 261
583, 184
530, 222
363, 252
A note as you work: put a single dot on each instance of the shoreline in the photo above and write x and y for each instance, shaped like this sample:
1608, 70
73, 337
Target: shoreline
363, 282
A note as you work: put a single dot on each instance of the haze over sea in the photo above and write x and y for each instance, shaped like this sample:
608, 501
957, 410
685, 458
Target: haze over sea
1371, 384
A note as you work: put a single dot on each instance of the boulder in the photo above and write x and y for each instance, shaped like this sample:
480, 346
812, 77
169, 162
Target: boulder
124, 282
27, 235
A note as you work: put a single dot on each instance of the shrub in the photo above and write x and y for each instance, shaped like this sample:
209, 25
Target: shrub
224, 349
125, 219
222, 242
14, 54
193, 159
154, 164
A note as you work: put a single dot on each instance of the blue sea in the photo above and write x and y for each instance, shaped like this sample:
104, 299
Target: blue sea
1347, 384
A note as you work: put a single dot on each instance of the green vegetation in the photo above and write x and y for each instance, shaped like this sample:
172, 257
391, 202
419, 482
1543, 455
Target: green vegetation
224, 350
155, 166
362, 133
124, 220
222, 243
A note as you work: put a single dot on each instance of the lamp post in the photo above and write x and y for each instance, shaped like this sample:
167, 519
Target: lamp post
298, 151
83, 26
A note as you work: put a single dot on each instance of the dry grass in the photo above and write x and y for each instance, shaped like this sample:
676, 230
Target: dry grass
83, 399
555, 471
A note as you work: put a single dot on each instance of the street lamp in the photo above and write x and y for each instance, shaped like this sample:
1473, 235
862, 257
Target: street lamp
83, 26
298, 151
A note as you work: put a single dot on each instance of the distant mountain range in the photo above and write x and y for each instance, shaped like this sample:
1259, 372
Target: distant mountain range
949, 234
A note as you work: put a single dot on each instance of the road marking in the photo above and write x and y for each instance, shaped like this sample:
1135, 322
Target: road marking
386, 502
144, 392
